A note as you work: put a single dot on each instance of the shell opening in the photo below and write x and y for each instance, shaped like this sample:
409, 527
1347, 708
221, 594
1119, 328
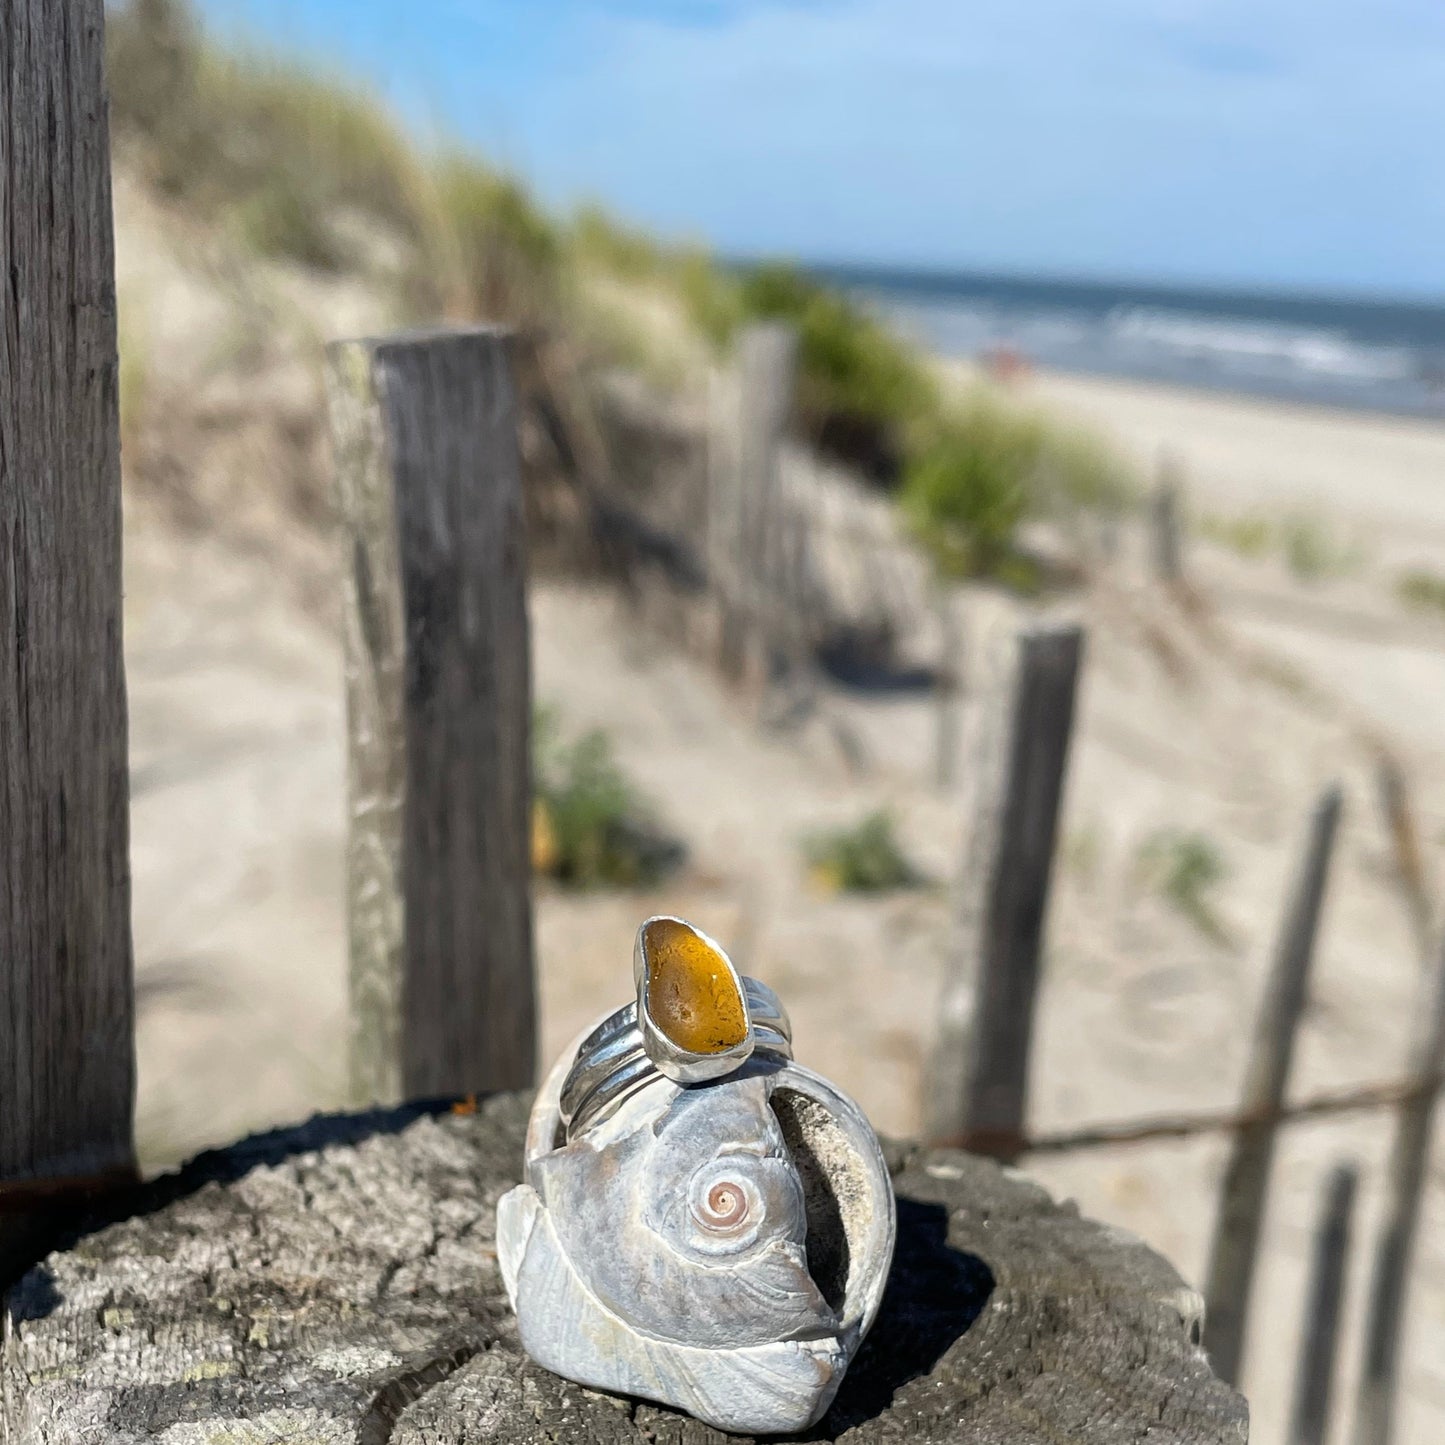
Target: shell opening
827, 1168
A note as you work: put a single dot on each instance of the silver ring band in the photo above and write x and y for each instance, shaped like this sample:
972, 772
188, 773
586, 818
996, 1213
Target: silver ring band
612, 1062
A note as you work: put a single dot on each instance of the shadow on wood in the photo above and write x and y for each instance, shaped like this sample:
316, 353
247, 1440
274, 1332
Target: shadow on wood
935, 1292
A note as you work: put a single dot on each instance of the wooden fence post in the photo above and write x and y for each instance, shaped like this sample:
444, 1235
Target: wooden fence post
67, 1048
1166, 524
1408, 856
719, 522
979, 1078
745, 548
1404, 1193
443, 998
1314, 1379
767, 364
947, 686
1246, 1179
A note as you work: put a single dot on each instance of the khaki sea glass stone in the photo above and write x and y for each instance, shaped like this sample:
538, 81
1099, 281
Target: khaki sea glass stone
691, 993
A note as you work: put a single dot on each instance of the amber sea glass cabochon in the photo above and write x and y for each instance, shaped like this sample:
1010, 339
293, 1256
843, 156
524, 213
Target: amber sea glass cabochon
693, 994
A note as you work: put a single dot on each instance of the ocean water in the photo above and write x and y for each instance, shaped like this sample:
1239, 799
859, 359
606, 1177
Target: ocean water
1374, 355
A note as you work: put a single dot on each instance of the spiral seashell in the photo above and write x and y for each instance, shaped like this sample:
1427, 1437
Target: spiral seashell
719, 1246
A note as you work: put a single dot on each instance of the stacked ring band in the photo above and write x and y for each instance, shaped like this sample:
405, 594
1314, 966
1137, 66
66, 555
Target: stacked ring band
613, 1061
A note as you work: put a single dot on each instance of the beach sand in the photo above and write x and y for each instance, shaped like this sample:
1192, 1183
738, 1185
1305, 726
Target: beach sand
1227, 730
1383, 472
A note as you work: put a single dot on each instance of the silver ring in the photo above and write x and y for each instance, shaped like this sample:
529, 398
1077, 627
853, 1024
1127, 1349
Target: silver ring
695, 1018
701, 1222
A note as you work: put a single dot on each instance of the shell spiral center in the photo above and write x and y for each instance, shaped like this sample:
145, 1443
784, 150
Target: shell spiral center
727, 1204
728, 1209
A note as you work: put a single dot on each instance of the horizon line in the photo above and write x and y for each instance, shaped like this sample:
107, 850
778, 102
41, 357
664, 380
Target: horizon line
939, 272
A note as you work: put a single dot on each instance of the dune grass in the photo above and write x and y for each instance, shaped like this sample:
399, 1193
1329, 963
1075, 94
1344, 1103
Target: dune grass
1309, 547
969, 488
1421, 589
1250, 535
311, 168
1314, 552
860, 390
969, 470
864, 857
1186, 867
591, 828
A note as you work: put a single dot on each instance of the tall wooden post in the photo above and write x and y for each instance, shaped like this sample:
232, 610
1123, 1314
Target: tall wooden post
746, 548
67, 1051
979, 1079
1246, 1179
1393, 791
767, 365
947, 687
1404, 1193
1310, 1418
443, 998
1166, 524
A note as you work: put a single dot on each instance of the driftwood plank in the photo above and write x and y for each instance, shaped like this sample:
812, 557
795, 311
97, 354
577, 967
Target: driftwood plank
338, 1283
66, 1023
1235, 1246
979, 1081
1319, 1341
438, 700
1405, 1179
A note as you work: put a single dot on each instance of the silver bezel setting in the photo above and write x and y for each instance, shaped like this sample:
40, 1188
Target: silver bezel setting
680, 1065
627, 1050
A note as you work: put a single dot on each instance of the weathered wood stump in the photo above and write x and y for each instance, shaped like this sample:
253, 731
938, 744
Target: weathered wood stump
338, 1282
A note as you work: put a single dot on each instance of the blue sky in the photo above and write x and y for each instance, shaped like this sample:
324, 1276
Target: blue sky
1295, 143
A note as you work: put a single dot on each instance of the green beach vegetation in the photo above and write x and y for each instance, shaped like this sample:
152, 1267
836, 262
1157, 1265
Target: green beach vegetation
863, 857
312, 169
1186, 867
1249, 535
591, 828
1306, 544
970, 468
1421, 589
1314, 553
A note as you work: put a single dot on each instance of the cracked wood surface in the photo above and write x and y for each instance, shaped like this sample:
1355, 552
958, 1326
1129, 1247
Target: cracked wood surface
338, 1283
